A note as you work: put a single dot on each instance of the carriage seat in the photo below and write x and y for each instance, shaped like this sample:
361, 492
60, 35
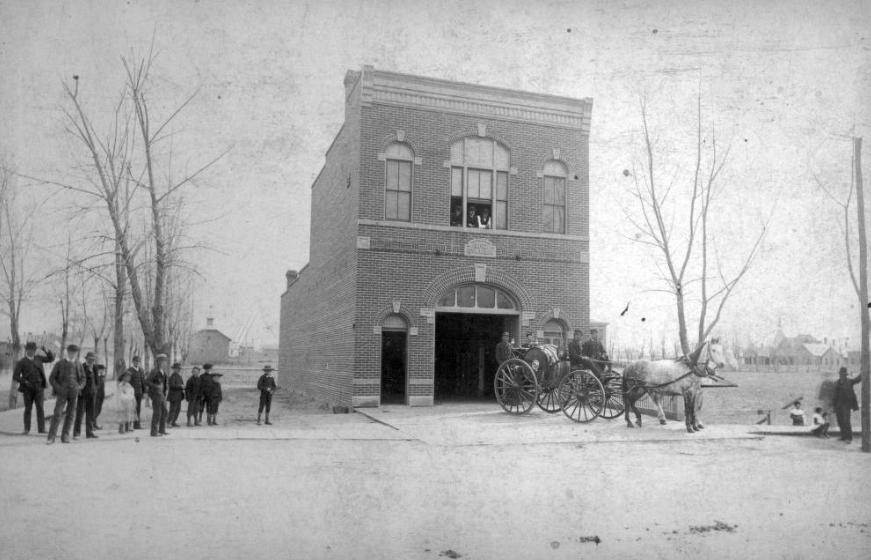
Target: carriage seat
552, 353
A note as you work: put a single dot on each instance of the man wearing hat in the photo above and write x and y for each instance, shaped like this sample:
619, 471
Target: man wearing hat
595, 351
137, 381
67, 379
576, 352
205, 391
86, 402
266, 386
176, 394
844, 401
503, 349
156, 383
530, 340
216, 395
30, 375
193, 394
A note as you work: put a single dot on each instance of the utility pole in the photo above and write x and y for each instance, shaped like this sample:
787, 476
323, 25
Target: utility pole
863, 296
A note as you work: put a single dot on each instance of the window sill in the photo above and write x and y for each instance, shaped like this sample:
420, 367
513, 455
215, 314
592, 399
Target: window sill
476, 231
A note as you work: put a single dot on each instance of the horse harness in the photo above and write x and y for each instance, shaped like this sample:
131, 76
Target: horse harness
694, 370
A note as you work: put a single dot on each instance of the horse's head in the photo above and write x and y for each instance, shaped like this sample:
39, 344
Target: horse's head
714, 353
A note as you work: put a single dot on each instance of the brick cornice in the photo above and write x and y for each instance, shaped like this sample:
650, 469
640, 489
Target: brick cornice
444, 96
483, 232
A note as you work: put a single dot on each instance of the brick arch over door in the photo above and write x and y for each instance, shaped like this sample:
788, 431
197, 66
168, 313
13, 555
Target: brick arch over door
564, 319
466, 274
388, 310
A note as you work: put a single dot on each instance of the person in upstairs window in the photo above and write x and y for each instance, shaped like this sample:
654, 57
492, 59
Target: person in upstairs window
472, 220
457, 216
484, 220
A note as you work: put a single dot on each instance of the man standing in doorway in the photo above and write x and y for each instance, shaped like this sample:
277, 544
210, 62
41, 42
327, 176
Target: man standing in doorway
67, 379
845, 402
156, 382
503, 349
137, 381
30, 375
86, 402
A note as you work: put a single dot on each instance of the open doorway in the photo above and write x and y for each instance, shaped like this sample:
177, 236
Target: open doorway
393, 367
465, 354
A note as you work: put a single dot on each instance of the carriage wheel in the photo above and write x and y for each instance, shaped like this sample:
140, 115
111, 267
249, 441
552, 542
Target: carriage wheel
515, 386
581, 396
613, 406
548, 400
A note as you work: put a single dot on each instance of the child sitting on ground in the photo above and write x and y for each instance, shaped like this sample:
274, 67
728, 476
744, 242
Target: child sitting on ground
821, 423
797, 414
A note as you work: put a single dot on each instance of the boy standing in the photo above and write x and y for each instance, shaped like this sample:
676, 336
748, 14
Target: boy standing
176, 394
266, 386
194, 396
205, 390
215, 398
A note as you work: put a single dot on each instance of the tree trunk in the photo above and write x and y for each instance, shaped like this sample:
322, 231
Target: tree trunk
863, 298
118, 340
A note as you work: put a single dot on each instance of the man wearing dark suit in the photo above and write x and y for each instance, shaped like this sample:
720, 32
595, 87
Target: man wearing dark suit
845, 402
67, 379
503, 349
137, 381
205, 390
595, 351
193, 394
87, 398
100, 394
156, 382
576, 352
30, 375
266, 386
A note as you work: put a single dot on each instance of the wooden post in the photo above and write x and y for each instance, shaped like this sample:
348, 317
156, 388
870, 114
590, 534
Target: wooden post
863, 296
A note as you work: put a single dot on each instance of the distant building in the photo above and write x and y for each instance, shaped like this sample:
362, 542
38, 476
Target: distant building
269, 353
209, 345
803, 351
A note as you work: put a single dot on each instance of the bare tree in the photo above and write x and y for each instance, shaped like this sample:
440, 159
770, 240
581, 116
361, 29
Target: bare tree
689, 256
16, 239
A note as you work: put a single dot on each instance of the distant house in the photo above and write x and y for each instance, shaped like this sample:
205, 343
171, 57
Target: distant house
269, 353
803, 351
209, 345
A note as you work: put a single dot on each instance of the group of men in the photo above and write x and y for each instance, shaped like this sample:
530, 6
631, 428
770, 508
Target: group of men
80, 391
589, 354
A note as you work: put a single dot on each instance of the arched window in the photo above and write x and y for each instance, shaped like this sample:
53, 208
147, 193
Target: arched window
555, 197
479, 183
397, 182
554, 334
476, 298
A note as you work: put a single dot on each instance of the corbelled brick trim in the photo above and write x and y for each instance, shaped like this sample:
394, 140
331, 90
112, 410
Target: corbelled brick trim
466, 274
473, 132
406, 139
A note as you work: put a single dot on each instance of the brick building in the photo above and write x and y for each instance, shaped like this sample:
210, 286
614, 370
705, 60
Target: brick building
402, 302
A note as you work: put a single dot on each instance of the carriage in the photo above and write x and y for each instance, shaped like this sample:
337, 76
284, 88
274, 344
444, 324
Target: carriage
539, 376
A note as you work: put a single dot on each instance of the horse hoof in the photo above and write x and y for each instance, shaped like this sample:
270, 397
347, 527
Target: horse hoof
662, 422
690, 430
630, 425
695, 429
700, 427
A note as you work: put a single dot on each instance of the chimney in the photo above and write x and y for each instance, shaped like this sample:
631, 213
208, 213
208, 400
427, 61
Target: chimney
292, 276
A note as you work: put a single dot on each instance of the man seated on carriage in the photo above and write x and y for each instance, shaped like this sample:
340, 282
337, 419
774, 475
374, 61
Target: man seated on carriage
531, 341
594, 352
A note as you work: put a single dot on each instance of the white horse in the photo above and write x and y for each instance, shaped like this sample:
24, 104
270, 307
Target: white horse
672, 377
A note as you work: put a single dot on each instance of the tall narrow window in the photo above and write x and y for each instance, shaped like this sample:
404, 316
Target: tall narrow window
479, 183
397, 193
554, 197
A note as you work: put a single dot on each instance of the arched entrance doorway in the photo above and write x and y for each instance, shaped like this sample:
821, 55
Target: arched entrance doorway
470, 319
394, 360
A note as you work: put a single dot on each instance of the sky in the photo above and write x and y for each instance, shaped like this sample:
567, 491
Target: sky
779, 82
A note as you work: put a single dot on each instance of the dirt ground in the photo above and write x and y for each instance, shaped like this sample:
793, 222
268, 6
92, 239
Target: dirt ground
417, 484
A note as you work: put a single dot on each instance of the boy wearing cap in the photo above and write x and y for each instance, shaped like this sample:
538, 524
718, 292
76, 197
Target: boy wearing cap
100, 396
205, 390
266, 386
137, 381
156, 384
67, 379
193, 394
30, 375
87, 396
215, 397
176, 394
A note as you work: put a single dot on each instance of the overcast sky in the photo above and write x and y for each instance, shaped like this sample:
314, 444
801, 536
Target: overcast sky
780, 81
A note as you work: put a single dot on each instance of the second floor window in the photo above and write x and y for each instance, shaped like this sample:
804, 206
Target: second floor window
397, 191
554, 197
479, 183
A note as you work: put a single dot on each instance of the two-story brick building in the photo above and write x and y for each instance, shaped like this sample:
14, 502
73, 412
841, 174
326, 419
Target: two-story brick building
406, 292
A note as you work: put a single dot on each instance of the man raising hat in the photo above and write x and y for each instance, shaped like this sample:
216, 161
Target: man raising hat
30, 375
67, 379
156, 382
266, 386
